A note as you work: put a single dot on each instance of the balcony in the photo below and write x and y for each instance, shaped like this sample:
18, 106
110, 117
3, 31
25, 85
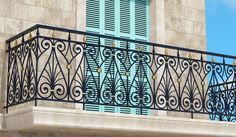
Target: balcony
55, 74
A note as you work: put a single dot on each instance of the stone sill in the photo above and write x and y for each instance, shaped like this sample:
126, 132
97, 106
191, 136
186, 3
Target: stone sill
97, 123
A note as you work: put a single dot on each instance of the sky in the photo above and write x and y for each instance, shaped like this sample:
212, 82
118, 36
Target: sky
221, 26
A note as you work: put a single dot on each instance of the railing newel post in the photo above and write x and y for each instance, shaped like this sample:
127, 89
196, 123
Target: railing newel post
127, 73
8, 74
154, 76
84, 72
68, 70
179, 80
23, 39
21, 66
99, 71
37, 58
201, 58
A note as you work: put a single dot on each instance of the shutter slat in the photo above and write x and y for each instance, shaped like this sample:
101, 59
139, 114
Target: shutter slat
140, 17
110, 15
92, 13
125, 16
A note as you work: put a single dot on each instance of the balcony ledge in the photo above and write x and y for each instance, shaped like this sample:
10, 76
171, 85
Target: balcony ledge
96, 123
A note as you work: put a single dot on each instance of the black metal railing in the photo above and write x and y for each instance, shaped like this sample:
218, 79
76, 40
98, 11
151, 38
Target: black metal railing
57, 64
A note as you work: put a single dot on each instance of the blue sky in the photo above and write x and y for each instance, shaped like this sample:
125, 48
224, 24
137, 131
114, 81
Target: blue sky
221, 26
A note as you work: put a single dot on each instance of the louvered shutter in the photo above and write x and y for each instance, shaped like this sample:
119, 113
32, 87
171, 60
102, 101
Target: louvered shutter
121, 18
92, 25
141, 24
124, 31
141, 19
109, 29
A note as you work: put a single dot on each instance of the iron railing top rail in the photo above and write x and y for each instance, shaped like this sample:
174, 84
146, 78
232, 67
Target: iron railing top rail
174, 47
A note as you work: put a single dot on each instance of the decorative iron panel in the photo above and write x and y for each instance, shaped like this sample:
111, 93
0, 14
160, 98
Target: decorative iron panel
53, 68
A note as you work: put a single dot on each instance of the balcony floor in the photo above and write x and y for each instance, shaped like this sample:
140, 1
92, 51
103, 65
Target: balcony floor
103, 124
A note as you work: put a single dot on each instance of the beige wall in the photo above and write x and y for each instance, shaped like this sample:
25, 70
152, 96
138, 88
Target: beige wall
181, 23
185, 26
178, 22
185, 23
18, 15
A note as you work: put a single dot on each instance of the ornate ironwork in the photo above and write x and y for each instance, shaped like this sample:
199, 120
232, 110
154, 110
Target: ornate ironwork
90, 71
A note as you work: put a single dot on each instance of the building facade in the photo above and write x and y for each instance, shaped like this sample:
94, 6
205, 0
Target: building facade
180, 23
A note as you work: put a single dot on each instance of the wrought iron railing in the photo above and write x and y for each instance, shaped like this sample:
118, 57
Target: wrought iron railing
57, 64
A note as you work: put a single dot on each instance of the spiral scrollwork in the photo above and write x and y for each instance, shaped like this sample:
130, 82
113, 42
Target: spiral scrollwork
120, 76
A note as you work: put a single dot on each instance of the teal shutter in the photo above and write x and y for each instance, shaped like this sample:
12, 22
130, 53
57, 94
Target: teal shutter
124, 31
141, 21
121, 18
92, 25
109, 68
